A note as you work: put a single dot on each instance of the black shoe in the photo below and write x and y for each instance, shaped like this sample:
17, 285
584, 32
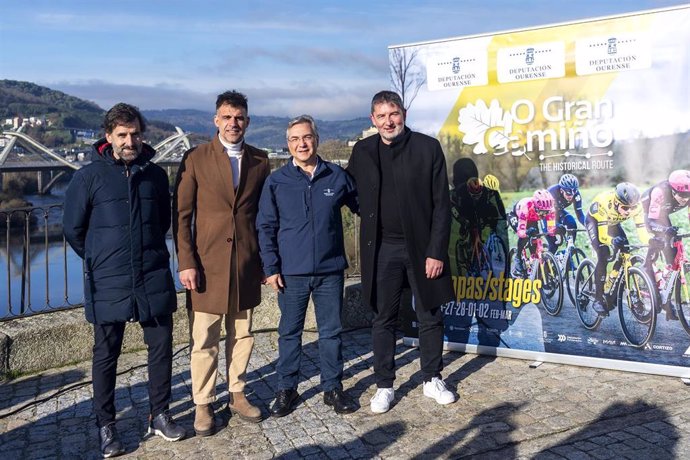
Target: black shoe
339, 400
518, 268
284, 403
164, 426
671, 314
111, 446
600, 308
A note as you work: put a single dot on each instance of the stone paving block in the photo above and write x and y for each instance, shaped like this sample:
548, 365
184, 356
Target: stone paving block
508, 420
548, 455
571, 452
602, 453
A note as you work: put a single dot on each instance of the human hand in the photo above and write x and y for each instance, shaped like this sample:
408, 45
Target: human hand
276, 282
434, 268
189, 278
619, 243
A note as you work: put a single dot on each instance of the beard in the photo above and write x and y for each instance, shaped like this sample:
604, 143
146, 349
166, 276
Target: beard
126, 154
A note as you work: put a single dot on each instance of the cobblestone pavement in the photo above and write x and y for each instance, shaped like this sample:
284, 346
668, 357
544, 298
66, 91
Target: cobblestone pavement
505, 410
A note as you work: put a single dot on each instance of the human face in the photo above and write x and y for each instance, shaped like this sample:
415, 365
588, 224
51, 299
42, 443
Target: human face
302, 144
126, 141
231, 122
681, 198
568, 195
624, 209
389, 119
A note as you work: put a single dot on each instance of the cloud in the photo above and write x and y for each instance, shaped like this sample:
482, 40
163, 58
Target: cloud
333, 58
323, 100
56, 19
107, 94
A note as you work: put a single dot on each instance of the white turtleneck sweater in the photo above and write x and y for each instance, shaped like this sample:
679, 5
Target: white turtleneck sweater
234, 152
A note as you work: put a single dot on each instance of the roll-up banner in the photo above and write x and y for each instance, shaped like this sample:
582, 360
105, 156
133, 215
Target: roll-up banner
568, 150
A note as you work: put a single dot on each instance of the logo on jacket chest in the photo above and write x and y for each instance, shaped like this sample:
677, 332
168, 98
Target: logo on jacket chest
328, 192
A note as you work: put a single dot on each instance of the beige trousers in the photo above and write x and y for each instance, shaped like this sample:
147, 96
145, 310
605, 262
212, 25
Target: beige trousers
205, 343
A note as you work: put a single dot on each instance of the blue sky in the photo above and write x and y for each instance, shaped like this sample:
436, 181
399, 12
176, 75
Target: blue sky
290, 57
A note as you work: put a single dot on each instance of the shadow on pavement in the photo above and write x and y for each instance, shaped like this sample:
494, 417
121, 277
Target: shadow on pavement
15, 392
634, 430
377, 440
486, 431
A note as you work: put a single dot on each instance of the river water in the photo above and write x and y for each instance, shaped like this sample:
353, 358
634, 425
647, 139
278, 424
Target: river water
50, 275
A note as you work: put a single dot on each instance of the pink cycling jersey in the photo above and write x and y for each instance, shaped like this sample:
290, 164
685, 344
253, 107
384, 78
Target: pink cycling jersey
527, 214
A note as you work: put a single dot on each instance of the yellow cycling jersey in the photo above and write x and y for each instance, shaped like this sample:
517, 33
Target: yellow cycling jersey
603, 210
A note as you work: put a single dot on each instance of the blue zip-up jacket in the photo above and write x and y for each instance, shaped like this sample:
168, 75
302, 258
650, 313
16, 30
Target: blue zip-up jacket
299, 222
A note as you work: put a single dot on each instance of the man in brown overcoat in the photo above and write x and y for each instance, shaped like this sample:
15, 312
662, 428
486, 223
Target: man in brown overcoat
216, 198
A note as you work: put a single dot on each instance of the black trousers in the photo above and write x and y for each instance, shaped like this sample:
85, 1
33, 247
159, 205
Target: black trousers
393, 270
106, 351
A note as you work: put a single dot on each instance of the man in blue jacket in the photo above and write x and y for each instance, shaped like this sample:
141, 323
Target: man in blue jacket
117, 213
302, 252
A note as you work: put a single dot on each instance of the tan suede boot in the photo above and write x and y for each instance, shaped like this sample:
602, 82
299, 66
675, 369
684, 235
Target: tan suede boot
204, 420
239, 405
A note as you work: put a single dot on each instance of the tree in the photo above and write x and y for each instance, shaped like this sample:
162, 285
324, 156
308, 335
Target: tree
406, 75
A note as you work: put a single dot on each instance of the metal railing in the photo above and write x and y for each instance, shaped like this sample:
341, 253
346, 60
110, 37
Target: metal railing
40, 273
35, 264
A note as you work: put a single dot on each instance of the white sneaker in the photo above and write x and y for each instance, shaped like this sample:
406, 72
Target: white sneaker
437, 389
381, 401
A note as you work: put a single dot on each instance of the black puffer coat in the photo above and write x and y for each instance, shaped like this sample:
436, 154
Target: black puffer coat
115, 218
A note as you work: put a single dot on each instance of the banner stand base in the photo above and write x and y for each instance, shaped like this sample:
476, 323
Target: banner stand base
574, 360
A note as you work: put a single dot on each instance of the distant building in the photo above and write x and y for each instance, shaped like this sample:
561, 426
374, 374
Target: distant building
18, 121
366, 133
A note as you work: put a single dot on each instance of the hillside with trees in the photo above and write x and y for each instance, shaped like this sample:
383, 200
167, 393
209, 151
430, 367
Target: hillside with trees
264, 131
62, 116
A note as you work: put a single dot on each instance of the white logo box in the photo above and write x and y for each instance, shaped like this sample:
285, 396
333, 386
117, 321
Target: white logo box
612, 53
531, 62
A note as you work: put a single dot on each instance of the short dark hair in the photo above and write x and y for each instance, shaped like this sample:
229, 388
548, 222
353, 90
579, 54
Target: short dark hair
308, 119
390, 97
121, 114
233, 98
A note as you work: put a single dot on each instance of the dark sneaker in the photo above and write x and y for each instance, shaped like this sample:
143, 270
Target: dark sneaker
518, 270
284, 403
671, 312
111, 446
164, 426
600, 308
339, 401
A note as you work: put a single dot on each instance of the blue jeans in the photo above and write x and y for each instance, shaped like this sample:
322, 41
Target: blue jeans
327, 292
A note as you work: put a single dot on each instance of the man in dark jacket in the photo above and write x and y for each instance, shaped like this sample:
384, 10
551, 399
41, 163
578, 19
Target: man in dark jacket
405, 207
302, 251
117, 213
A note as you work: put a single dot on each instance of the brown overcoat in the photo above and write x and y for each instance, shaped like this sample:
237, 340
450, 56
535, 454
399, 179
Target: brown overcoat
214, 226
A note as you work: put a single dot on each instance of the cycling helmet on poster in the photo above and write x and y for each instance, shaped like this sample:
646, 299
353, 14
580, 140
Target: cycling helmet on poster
679, 180
491, 181
627, 194
543, 200
474, 186
569, 183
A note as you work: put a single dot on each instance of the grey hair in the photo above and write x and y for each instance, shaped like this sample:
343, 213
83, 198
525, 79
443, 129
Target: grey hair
303, 119
390, 97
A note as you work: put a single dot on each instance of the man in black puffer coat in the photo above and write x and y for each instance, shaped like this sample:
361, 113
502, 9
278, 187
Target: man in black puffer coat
116, 215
